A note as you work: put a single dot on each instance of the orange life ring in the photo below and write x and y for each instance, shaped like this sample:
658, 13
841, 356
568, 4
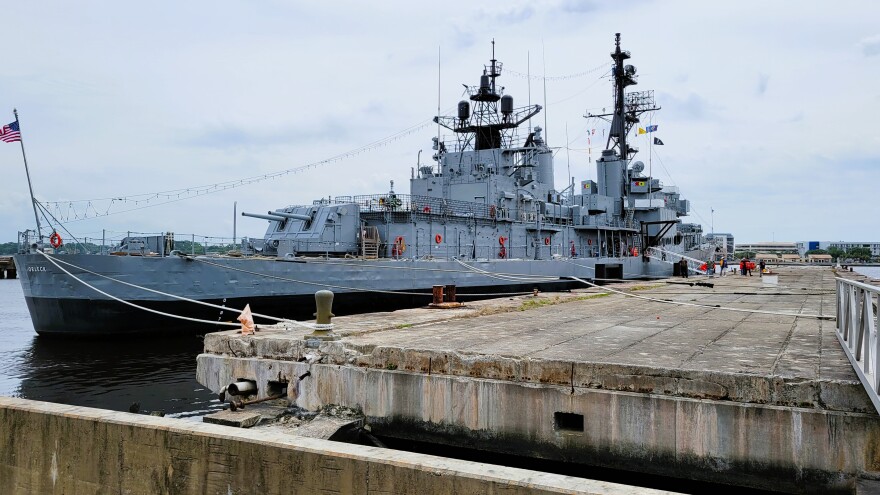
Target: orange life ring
426, 209
546, 241
492, 211
438, 238
55, 240
501, 240
634, 251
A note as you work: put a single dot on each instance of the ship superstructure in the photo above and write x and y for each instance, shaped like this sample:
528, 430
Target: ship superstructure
485, 217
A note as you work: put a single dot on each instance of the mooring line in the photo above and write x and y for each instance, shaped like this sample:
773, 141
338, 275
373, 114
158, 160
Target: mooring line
312, 326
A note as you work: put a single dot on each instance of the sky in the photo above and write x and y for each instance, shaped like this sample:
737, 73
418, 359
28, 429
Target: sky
766, 107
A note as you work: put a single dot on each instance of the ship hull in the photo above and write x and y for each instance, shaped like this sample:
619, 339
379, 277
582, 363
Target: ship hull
70, 303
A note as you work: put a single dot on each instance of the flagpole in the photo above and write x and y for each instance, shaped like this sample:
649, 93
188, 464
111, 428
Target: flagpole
650, 164
28, 174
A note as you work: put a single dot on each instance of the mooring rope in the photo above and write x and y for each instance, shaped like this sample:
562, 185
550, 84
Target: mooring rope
313, 326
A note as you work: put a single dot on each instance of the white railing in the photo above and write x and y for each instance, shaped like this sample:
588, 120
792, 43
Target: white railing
857, 332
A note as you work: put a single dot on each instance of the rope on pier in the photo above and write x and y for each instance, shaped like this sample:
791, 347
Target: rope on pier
709, 306
509, 278
313, 326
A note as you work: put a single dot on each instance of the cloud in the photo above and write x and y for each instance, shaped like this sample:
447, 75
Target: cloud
513, 15
690, 107
870, 46
580, 6
763, 79
233, 136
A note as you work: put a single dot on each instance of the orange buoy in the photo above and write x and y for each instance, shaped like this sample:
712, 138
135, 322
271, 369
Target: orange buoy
438, 238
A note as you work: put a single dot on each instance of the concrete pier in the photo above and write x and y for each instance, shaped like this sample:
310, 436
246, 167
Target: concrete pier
7, 267
751, 399
56, 449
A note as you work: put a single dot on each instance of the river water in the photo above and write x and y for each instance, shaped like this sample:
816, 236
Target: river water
156, 373
869, 271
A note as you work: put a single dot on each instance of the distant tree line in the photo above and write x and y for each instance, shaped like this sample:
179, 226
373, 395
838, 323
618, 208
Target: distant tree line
856, 253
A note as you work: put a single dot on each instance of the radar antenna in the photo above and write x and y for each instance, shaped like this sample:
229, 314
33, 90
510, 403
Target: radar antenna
489, 125
627, 106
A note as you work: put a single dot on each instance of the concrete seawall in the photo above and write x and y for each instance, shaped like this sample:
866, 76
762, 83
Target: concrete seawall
765, 400
55, 449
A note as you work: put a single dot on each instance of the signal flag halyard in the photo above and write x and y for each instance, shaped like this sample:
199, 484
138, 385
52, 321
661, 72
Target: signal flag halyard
10, 133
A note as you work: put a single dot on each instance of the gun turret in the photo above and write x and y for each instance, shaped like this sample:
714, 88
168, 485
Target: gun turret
294, 216
271, 218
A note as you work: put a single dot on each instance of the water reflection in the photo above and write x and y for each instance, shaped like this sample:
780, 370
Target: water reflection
158, 374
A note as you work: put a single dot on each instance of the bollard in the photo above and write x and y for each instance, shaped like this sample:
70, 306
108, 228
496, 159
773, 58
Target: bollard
438, 294
449, 294
324, 306
444, 299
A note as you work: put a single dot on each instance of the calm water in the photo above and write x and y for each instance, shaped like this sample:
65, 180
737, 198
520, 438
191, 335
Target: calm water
869, 271
159, 374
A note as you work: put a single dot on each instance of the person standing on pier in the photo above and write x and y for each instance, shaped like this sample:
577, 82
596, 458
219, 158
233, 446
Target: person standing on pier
723, 266
761, 265
683, 267
742, 267
748, 267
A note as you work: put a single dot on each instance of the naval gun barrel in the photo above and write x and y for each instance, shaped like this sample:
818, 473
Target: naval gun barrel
294, 216
271, 218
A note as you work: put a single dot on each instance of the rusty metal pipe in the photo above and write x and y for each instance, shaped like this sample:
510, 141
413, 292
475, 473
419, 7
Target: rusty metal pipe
240, 405
244, 387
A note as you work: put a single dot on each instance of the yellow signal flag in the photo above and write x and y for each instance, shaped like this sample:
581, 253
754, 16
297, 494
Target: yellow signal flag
642, 131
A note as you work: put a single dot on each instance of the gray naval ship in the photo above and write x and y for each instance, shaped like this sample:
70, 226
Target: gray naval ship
485, 217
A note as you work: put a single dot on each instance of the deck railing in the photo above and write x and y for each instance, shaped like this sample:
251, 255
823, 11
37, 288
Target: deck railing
857, 332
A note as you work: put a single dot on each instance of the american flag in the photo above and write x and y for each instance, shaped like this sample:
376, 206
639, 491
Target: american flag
10, 133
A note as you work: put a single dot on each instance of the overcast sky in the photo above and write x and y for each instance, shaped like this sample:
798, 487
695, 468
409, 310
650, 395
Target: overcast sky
767, 107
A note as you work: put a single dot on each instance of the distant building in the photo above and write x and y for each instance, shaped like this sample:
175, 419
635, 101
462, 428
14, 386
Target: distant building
804, 246
768, 247
723, 241
819, 258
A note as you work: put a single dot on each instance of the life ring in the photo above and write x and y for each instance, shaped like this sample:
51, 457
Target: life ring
55, 240
589, 242
399, 246
501, 240
492, 211
426, 209
438, 238
546, 241
634, 251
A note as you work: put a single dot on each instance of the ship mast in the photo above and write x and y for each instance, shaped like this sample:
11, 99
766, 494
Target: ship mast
485, 127
627, 106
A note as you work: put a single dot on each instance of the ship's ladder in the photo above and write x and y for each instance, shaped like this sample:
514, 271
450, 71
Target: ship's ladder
370, 243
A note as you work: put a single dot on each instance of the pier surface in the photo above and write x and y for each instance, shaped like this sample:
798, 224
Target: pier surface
7, 267
766, 399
